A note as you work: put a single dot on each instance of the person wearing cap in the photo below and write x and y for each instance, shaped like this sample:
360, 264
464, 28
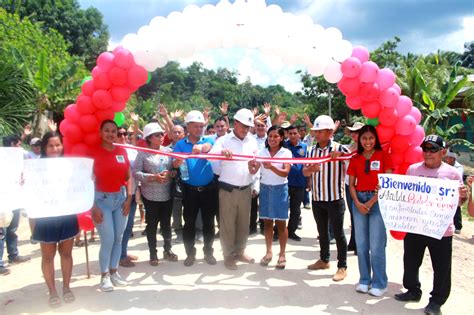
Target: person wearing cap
235, 191
328, 200
450, 158
434, 149
154, 173
199, 190
354, 133
35, 152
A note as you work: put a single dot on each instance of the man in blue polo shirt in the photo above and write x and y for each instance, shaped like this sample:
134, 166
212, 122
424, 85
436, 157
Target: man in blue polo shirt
296, 181
200, 189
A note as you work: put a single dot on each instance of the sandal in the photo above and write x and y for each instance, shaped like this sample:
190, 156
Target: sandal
68, 297
127, 263
170, 256
132, 257
265, 260
92, 239
54, 301
79, 243
281, 264
154, 262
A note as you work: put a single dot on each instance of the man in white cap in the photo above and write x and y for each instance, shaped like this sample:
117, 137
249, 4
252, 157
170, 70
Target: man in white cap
328, 195
199, 189
35, 145
235, 191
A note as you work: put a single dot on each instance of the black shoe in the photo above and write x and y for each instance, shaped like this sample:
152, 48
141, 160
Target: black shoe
252, 231
144, 232
19, 259
433, 309
294, 237
210, 259
217, 235
408, 296
189, 261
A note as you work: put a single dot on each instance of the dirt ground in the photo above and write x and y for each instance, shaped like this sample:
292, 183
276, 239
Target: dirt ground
172, 288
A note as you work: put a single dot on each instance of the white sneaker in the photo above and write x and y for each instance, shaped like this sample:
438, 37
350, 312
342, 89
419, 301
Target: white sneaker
377, 292
106, 284
362, 288
117, 281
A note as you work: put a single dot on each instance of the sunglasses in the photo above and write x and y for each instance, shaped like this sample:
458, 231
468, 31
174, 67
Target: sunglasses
121, 134
431, 149
367, 167
158, 134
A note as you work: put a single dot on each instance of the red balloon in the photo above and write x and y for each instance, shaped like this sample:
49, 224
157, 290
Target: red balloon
389, 97
80, 149
120, 94
398, 235
118, 76
71, 113
123, 58
85, 221
369, 91
415, 113
102, 99
418, 135
74, 133
400, 143
385, 133
406, 125
388, 116
349, 86
371, 109
84, 105
101, 78
63, 126
105, 60
350, 68
88, 123
92, 139
105, 114
413, 155
67, 146
137, 76
88, 88
354, 102
402, 169
397, 158
368, 72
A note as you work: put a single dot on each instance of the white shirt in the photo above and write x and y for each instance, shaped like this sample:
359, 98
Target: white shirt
260, 141
268, 176
236, 172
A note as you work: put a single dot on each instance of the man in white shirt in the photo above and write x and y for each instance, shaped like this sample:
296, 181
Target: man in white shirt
235, 189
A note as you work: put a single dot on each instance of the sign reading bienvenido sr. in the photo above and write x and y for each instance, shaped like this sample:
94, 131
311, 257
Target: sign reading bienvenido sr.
418, 205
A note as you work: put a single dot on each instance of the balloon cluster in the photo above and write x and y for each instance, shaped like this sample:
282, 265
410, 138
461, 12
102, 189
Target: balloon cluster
103, 96
375, 93
296, 40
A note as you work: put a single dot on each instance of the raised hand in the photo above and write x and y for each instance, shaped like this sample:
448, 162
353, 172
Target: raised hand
52, 125
267, 108
134, 116
224, 108
162, 110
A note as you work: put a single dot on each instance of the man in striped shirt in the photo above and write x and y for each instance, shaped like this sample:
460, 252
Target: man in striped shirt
328, 194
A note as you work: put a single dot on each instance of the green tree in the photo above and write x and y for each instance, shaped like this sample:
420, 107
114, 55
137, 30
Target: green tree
84, 30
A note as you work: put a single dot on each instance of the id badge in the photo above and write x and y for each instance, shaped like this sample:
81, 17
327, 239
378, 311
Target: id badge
375, 166
120, 158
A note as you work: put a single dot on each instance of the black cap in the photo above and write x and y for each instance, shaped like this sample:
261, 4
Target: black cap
435, 140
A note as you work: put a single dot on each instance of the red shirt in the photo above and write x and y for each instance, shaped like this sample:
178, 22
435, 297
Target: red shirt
110, 169
380, 162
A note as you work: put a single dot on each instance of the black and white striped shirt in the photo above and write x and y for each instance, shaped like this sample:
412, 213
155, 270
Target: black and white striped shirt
328, 183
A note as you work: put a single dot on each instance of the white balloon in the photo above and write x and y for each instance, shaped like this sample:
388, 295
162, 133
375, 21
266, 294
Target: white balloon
333, 73
317, 65
342, 51
131, 42
157, 21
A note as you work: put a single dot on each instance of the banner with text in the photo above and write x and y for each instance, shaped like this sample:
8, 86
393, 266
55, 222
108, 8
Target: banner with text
11, 168
418, 205
58, 186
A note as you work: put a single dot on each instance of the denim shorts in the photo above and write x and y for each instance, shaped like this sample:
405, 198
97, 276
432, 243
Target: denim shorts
273, 202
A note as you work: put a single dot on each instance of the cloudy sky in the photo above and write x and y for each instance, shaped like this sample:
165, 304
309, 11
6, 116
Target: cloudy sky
424, 26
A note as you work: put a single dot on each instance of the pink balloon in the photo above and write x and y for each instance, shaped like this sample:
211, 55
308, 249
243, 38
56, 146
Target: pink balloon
413, 155
88, 88
89, 123
84, 105
118, 76
371, 109
118, 106
85, 221
360, 53
368, 72
123, 58
388, 116
349, 86
399, 143
74, 133
418, 135
351, 67
92, 139
415, 113
385, 78
389, 97
369, 91
71, 113
102, 99
80, 149
105, 61
385, 133
120, 94
404, 105
397, 158
405, 125
105, 114
101, 79
63, 125
354, 102
137, 76
397, 87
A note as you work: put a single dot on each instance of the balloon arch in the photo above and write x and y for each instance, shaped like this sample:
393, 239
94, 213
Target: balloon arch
296, 40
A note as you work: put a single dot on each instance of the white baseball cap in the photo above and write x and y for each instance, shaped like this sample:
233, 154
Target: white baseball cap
194, 116
151, 128
356, 126
323, 122
244, 116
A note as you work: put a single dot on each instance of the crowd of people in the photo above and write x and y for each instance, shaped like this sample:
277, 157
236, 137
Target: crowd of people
237, 196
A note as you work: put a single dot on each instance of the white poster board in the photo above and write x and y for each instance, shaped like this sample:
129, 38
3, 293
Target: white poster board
418, 205
58, 186
11, 167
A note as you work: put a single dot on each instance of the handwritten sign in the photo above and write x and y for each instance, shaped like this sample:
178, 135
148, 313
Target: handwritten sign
418, 205
11, 167
58, 186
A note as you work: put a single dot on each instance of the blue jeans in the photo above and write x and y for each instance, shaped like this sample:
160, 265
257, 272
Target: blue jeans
128, 229
371, 240
10, 238
111, 229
